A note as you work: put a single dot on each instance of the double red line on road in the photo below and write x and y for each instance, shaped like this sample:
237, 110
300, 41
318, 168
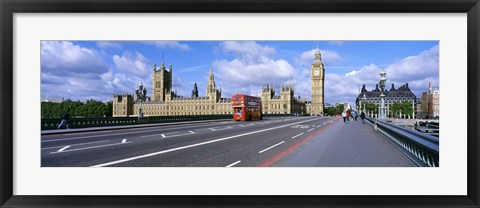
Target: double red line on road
275, 158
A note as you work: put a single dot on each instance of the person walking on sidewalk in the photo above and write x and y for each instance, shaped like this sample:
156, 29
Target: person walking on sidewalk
344, 115
362, 115
65, 117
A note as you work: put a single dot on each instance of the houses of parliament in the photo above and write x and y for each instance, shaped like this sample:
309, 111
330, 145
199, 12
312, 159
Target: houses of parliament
164, 101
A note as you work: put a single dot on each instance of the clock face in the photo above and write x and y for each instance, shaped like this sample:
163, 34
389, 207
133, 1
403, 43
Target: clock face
316, 72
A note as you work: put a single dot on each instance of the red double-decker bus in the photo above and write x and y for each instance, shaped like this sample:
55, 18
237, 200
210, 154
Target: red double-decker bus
246, 107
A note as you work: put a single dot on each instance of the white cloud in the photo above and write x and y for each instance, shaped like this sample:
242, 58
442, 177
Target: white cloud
109, 44
423, 65
135, 64
248, 51
79, 73
250, 68
328, 57
417, 70
67, 58
170, 44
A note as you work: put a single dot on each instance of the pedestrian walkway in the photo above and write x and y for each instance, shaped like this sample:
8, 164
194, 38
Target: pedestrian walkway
350, 144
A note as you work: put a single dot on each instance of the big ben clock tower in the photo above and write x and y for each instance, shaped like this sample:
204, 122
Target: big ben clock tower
317, 74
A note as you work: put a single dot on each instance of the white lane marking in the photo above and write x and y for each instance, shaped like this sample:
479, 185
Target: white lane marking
233, 164
64, 148
76, 144
191, 132
297, 135
310, 130
218, 129
194, 145
163, 135
124, 140
94, 147
180, 135
272, 146
319, 125
132, 132
324, 123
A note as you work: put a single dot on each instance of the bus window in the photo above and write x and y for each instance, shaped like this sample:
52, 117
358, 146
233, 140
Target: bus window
238, 110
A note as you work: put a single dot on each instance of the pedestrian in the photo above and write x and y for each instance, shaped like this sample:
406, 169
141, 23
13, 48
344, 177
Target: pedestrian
65, 117
354, 116
362, 116
344, 115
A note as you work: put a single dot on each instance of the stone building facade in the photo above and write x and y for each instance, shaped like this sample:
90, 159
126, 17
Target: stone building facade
317, 77
164, 101
122, 105
431, 102
285, 103
392, 96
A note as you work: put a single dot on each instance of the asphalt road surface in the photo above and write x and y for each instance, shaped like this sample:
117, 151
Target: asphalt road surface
217, 144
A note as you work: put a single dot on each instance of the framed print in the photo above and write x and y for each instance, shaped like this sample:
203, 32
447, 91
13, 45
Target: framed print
239, 104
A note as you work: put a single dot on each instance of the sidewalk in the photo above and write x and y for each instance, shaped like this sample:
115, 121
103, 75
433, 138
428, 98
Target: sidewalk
350, 144
103, 128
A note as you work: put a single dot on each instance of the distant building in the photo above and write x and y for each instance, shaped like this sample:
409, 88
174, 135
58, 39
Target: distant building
285, 103
122, 105
317, 78
419, 110
392, 96
346, 107
431, 102
165, 101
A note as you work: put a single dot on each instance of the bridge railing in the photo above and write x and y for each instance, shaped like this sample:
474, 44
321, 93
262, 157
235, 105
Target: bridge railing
423, 147
52, 123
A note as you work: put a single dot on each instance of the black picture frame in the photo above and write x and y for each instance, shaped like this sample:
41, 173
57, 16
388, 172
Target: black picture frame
10, 7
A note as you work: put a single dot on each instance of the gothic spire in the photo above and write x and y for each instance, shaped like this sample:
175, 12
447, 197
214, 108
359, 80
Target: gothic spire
211, 73
163, 61
317, 56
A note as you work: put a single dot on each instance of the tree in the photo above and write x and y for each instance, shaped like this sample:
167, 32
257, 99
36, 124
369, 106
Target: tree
332, 111
91, 108
370, 107
404, 107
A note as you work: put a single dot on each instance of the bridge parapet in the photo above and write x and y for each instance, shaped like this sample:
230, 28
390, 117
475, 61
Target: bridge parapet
52, 123
422, 147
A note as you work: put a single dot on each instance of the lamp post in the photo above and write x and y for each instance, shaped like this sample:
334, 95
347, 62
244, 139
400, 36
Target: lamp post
364, 102
383, 79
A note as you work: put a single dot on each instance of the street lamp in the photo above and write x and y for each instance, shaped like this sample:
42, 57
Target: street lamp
364, 102
383, 79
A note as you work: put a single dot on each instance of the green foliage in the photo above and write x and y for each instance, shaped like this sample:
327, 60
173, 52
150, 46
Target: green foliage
370, 107
91, 108
331, 111
404, 107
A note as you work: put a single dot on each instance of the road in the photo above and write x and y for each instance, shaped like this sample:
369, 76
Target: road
218, 144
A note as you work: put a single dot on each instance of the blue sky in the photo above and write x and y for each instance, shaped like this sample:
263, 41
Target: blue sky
82, 70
